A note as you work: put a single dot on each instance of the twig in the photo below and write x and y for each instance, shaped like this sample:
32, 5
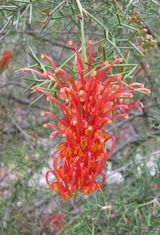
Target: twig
12, 84
38, 35
24, 133
50, 14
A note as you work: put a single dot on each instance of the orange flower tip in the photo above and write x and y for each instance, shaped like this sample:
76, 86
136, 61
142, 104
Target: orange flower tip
148, 91
90, 128
93, 73
74, 122
55, 188
142, 85
48, 98
126, 117
96, 135
42, 113
94, 187
67, 100
35, 89
102, 140
106, 62
62, 90
81, 92
42, 56
66, 196
45, 125
45, 72
109, 121
61, 147
68, 89
86, 191
71, 43
90, 42
57, 70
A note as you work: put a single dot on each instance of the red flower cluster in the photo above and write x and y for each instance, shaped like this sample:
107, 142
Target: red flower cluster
88, 104
6, 57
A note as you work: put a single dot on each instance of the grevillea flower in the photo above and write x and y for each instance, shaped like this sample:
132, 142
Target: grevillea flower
6, 57
88, 104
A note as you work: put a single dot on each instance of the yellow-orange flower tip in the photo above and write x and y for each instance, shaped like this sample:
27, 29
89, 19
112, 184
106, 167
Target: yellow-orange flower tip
81, 92
102, 140
106, 62
45, 72
34, 89
66, 196
68, 89
142, 85
148, 91
74, 122
51, 136
48, 98
55, 188
45, 125
93, 73
85, 191
42, 113
126, 117
90, 128
42, 56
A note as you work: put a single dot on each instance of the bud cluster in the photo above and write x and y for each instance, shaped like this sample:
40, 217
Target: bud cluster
145, 37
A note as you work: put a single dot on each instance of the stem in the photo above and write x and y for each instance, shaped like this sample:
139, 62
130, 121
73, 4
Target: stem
84, 54
83, 41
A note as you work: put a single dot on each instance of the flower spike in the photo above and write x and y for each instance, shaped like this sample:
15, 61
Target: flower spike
88, 104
